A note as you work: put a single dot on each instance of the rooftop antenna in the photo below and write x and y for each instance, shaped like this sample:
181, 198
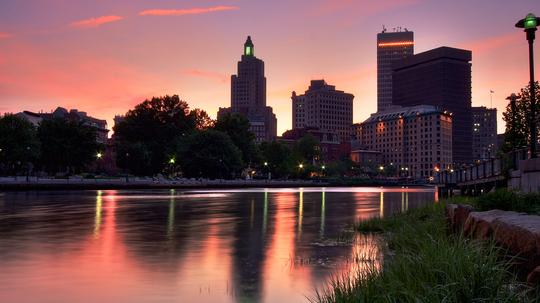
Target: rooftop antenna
383, 28
491, 92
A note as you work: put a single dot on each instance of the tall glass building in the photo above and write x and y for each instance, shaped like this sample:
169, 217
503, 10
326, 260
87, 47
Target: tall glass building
391, 46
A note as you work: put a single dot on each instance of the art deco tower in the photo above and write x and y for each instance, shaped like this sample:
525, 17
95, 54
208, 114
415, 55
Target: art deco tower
248, 95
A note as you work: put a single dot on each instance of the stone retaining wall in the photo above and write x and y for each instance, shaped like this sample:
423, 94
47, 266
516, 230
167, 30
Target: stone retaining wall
517, 232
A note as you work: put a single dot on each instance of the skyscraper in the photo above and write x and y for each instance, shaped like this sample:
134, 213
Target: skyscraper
440, 77
248, 95
390, 47
324, 107
484, 132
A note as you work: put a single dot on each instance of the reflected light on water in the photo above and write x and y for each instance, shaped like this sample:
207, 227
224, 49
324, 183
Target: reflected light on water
266, 245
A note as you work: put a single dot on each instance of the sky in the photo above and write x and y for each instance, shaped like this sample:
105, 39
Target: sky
106, 56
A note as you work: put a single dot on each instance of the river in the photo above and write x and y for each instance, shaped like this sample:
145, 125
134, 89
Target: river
249, 245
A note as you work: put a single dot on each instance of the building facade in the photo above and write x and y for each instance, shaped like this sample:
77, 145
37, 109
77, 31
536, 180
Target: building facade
416, 140
484, 132
72, 115
325, 108
248, 95
330, 145
391, 46
439, 77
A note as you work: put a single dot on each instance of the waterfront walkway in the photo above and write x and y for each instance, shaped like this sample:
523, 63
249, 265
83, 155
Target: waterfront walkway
21, 183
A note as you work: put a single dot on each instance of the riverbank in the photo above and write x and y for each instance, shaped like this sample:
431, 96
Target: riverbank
75, 183
424, 262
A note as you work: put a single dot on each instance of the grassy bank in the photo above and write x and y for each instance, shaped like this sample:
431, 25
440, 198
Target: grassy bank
504, 200
423, 263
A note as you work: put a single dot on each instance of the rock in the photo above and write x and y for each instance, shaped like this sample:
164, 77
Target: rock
520, 233
533, 278
457, 215
450, 210
461, 214
479, 224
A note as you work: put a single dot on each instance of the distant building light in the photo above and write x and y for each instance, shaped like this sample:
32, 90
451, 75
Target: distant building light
400, 43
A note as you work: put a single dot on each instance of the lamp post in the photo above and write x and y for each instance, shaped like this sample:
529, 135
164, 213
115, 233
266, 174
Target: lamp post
529, 25
99, 155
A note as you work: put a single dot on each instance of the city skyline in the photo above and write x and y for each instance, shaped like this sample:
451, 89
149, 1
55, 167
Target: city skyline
105, 58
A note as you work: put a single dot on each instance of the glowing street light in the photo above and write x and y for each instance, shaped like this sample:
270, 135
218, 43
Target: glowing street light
300, 165
265, 163
381, 167
172, 161
99, 155
323, 167
529, 24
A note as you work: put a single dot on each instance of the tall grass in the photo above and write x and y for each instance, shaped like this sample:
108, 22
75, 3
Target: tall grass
426, 264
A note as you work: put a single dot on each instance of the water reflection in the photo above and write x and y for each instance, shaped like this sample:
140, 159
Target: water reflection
266, 245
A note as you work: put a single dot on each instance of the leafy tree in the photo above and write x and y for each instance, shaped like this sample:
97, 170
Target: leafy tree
145, 138
209, 153
517, 133
66, 146
277, 157
19, 145
237, 127
202, 120
308, 149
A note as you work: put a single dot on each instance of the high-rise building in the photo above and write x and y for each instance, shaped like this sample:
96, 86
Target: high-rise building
414, 141
439, 77
248, 95
484, 132
324, 107
391, 46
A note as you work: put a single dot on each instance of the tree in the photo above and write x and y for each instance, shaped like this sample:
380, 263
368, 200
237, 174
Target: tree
19, 145
202, 120
517, 134
145, 138
210, 154
277, 157
237, 127
308, 149
66, 146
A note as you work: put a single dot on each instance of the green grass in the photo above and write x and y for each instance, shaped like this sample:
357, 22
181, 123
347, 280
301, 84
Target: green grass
507, 200
423, 263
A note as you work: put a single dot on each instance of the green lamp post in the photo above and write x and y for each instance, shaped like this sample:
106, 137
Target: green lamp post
529, 24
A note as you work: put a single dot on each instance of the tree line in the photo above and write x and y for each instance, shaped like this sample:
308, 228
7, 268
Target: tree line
161, 135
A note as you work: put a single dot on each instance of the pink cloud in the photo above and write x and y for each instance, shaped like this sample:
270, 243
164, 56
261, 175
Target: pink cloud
95, 22
221, 78
4, 35
189, 11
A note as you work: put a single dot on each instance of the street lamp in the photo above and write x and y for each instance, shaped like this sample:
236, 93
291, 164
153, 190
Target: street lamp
99, 155
529, 25
300, 165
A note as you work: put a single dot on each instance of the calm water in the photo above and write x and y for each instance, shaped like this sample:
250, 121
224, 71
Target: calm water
275, 245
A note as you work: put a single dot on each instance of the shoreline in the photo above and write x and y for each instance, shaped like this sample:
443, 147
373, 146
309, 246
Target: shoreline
96, 184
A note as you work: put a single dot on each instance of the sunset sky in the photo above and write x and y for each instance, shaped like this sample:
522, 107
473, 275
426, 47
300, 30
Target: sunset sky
105, 56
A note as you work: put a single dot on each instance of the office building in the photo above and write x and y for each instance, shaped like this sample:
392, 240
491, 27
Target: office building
325, 108
391, 46
248, 95
416, 141
439, 77
484, 133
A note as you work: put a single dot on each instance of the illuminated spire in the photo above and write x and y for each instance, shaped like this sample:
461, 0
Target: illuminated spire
249, 49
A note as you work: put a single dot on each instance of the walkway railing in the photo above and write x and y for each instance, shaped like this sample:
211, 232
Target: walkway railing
487, 170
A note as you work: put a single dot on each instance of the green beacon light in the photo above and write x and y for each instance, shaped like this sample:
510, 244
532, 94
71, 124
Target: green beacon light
530, 21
